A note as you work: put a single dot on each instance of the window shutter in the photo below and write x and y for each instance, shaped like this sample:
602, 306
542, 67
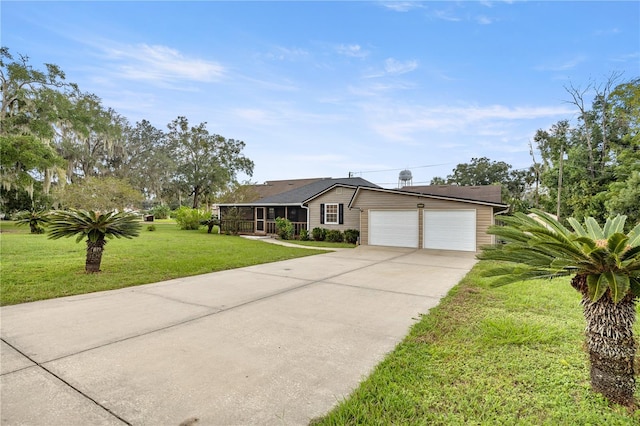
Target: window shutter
341, 214
321, 214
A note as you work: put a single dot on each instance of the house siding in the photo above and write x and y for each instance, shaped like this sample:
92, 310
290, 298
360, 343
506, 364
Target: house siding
375, 200
339, 195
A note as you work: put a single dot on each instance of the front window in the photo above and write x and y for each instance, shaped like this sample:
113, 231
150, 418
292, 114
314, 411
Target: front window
331, 214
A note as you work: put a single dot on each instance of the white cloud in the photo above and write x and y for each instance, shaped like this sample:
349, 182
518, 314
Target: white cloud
484, 20
629, 57
282, 53
403, 123
611, 31
446, 15
353, 50
377, 88
161, 64
281, 114
402, 6
563, 65
393, 66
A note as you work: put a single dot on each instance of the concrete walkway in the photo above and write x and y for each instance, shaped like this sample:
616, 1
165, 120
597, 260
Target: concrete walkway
271, 344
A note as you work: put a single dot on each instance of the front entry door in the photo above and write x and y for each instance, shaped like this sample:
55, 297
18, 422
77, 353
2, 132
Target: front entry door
259, 219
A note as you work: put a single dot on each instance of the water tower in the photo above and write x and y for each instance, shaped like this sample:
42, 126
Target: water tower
405, 178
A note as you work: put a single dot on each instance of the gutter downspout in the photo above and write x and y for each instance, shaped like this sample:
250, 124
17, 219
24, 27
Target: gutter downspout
307, 209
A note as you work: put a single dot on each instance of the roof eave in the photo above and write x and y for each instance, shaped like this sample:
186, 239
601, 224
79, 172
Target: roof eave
418, 194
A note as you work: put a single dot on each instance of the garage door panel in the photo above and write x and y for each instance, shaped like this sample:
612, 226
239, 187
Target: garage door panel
450, 230
395, 228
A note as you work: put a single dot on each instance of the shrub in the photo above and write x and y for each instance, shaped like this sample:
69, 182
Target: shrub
304, 234
334, 236
319, 234
151, 228
190, 219
351, 236
284, 228
35, 219
160, 211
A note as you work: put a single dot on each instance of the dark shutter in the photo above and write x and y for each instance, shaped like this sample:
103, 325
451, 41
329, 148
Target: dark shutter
341, 214
321, 213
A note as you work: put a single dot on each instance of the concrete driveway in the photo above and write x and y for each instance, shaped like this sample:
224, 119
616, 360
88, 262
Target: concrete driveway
272, 344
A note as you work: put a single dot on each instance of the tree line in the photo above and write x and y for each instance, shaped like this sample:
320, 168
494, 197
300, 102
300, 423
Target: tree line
590, 168
60, 146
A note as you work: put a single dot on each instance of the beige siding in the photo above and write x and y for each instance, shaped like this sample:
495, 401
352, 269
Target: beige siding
336, 195
375, 200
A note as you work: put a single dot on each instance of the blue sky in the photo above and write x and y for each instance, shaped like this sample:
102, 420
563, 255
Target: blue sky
318, 89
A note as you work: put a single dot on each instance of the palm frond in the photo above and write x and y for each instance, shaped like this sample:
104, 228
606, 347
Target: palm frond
578, 228
597, 285
538, 246
92, 225
593, 228
614, 226
618, 284
631, 253
617, 243
551, 221
634, 236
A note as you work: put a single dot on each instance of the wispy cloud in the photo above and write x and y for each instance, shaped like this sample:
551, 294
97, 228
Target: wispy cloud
563, 65
402, 6
403, 123
607, 32
377, 88
393, 66
282, 53
484, 20
352, 50
446, 15
160, 64
281, 114
628, 57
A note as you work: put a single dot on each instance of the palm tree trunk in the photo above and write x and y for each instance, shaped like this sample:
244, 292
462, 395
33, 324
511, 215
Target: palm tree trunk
610, 344
94, 255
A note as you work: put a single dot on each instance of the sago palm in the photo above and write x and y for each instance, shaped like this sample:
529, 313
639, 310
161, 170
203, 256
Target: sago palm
605, 265
36, 219
95, 227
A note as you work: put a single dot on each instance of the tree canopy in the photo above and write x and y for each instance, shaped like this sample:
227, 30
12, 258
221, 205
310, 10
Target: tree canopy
204, 162
52, 133
483, 171
590, 167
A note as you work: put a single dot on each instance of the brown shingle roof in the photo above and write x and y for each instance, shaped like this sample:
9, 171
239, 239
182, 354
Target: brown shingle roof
273, 187
488, 193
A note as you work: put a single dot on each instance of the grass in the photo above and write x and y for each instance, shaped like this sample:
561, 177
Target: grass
511, 355
33, 267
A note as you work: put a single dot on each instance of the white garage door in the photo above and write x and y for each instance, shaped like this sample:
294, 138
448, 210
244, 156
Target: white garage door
450, 230
397, 228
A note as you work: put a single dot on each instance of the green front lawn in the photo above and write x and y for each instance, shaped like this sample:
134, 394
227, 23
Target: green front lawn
33, 267
511, 355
